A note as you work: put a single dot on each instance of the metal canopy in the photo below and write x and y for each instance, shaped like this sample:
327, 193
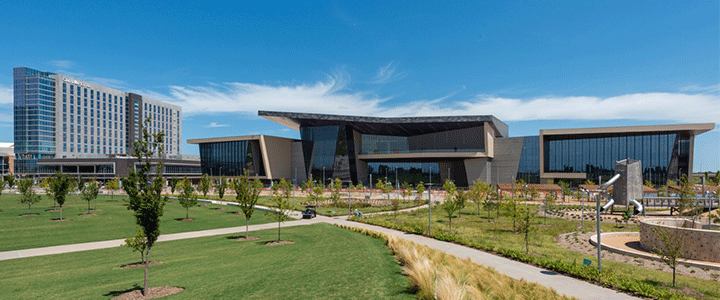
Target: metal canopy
402, 126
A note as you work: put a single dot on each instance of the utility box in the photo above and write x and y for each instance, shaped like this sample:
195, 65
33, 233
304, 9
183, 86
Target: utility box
630, 185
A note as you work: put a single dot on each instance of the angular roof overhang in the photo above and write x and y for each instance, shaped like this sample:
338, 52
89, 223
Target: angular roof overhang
686, 129
400, 126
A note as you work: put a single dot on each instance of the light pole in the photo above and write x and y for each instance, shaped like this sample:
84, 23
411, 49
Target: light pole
323, 182
429, 185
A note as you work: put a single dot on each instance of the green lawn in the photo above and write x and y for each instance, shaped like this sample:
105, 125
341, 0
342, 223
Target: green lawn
323, 210
498, 232
325, 262
113, 222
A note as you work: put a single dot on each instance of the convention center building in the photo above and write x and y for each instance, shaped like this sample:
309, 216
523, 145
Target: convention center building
433, 149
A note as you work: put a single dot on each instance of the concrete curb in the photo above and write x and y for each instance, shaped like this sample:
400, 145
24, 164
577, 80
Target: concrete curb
641, 254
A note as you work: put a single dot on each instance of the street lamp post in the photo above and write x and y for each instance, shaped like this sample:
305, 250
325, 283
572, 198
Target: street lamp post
429, 185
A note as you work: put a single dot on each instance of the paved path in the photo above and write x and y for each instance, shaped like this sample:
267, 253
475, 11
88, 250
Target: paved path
562, 284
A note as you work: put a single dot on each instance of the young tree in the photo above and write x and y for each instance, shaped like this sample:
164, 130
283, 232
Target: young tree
314, 191
478, 190
565, 189
247, 193
90, 193
335, 187
534, 193
407, 190
172, 183
685, 204
10, 179
280, 202
204, 185
29, 197
454, 204
670, 248
221, 185
549, 202
386, 187
187, 197
138, 243
112, 185
144, 192
526, 214
419, 191
60, 186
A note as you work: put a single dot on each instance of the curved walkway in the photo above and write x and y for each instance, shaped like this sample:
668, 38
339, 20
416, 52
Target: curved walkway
563, 284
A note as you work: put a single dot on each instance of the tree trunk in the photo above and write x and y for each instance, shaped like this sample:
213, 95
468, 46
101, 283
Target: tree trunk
247, 231
278, 231
527, 245
187, 212
60, 212
147, 269
88, 207
674, 276
28, 208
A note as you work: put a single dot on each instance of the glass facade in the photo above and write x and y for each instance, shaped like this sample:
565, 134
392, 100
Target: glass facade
529, 167
664, 156
333, 152
231, 158
34, 117
405, 171
382, 144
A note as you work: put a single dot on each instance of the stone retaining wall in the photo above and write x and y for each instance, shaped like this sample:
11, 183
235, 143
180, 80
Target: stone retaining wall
699, 244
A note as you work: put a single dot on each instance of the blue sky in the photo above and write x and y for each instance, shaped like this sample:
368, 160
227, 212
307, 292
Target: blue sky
535, 65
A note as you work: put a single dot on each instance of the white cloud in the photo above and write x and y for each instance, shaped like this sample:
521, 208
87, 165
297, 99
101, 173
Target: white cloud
6, 95
387, 74
707, 89
64, 64
216, 125
109, 82
332, 96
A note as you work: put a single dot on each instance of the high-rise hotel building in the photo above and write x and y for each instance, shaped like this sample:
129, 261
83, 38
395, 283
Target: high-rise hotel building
57, 116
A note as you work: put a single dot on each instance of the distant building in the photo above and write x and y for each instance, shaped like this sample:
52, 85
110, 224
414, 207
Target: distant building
60, 117
7, 158
459, 148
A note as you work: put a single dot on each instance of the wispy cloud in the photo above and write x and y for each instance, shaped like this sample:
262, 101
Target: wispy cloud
706, 89
333, 96
63, 64
109, 82
216, 125
387, 74
6, 95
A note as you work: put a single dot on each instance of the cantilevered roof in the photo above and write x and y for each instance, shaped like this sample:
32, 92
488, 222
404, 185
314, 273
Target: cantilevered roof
402, 126
689, 129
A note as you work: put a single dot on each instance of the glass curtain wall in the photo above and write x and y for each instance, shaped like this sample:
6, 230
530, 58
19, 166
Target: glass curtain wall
410, 172
34, 117
230, 158
663, 156
529, 168
333, 153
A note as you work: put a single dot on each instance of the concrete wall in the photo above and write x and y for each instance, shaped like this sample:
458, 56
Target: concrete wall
477, 168
506, 160
698, 244
277, 157
297, 159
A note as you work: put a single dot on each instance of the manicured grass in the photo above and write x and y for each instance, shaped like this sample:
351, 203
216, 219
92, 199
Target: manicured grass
497, 233
323, 210
325, 262
114, 221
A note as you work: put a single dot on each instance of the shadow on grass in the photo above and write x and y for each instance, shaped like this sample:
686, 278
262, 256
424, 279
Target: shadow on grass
118, 293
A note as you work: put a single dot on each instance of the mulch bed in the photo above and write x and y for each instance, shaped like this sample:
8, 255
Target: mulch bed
153, 293
217, 208
237, 213
52, 210
90, 214
243, 239
58, 220
140, 264
186, 220
275, 243
29, 215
